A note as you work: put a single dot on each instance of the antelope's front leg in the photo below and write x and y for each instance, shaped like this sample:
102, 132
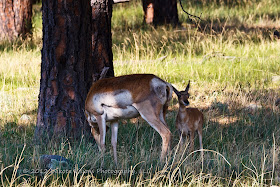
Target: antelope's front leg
192, 141
96, 134
114, 139
94, 129
181, 140
101, 121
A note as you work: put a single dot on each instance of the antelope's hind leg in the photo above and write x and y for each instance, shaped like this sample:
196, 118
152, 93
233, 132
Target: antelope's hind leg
102, 129
114, 139
200, 141
152, 114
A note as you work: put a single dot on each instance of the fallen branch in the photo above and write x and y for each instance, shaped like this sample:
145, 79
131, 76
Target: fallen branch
120, 1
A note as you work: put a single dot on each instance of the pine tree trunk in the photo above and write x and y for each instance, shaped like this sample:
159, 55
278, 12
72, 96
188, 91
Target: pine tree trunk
36, 1
102, 36
15, 18
160, 12
76, 46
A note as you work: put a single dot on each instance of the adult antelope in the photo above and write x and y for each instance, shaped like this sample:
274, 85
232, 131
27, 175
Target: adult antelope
126, 97
188, 120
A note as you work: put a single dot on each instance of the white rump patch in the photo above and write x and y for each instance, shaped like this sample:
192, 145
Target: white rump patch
159, 88
120, 113
116, 99
114, 105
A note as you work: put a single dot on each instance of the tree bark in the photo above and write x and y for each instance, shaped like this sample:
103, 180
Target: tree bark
159, 12
102, 37
15, 18
77, 44
36, 1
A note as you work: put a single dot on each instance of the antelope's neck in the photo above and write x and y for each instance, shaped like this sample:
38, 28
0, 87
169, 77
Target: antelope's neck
182, 107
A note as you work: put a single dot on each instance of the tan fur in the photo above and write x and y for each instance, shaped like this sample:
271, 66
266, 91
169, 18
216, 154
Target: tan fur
125, 97
189, 120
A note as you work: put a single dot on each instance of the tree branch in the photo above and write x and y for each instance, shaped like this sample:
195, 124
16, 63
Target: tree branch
187, 12
104, 72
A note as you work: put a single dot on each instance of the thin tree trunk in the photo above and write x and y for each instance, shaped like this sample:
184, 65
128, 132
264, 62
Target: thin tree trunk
15, 18
159, 12
76, 46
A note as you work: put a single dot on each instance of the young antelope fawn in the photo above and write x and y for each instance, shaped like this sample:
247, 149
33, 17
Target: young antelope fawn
188, 120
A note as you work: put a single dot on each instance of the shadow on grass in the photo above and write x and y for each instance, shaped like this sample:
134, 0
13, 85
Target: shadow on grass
227, 27
242, 138
231, 3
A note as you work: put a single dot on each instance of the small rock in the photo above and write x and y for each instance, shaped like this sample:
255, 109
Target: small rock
253, 107
25, 118
275, 78
54, 162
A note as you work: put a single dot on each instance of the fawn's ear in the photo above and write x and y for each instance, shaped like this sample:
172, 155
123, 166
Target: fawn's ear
188, 87
176, 92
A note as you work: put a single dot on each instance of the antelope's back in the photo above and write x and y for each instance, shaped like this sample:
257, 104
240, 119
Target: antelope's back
136, 87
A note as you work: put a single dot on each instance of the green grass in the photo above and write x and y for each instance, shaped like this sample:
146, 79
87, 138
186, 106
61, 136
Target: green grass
230, 58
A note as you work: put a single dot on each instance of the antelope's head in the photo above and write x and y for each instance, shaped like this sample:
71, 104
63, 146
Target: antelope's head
183, 96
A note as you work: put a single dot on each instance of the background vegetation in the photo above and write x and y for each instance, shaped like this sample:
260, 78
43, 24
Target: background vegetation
232, 60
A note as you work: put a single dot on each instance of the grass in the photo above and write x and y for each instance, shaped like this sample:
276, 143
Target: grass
231, 58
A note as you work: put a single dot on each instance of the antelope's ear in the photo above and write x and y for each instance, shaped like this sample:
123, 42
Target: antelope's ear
188, 87
176, 92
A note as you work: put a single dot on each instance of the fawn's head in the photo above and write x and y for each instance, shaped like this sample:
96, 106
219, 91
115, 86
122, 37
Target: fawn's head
183, 96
